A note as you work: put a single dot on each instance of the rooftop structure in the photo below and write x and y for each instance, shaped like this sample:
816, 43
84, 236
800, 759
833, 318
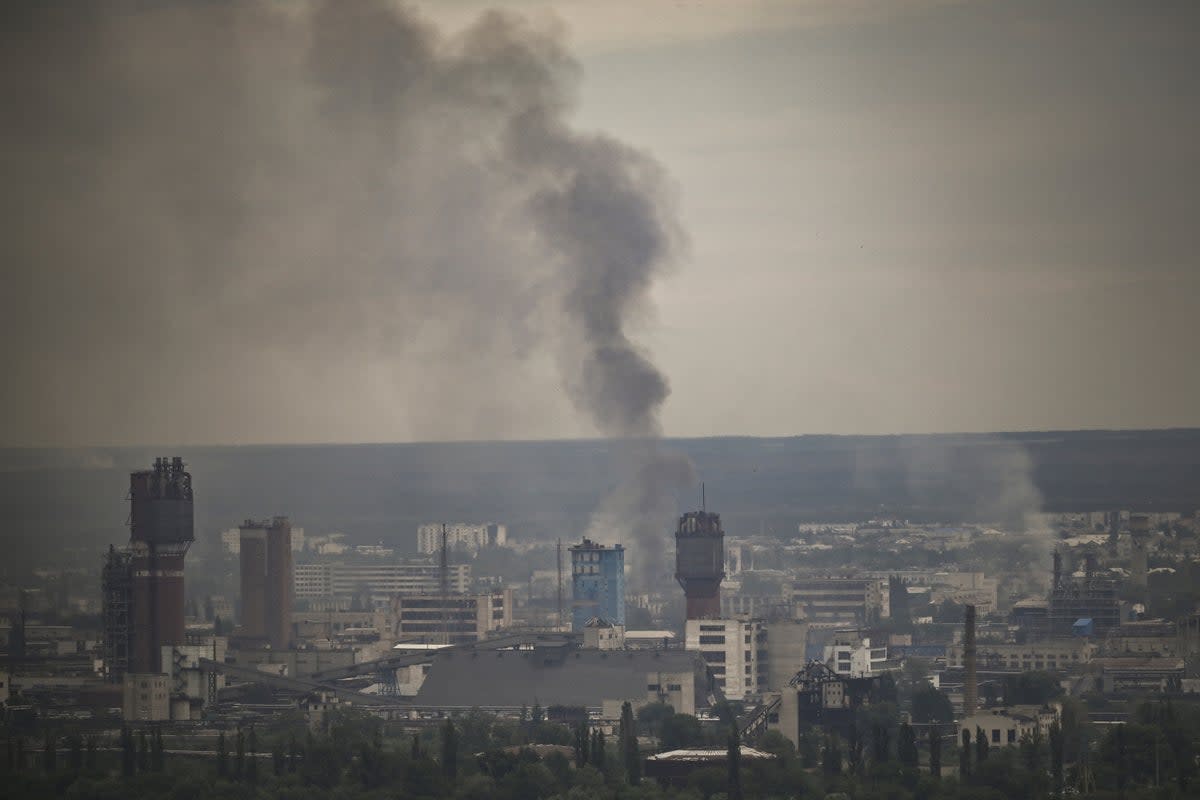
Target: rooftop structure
700, 562
564, 675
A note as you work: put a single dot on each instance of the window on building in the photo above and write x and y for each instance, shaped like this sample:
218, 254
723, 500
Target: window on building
712, 640
652, 687
995, 736
674, 687
1012, 736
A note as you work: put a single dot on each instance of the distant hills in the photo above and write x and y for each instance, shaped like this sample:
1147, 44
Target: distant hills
52, 499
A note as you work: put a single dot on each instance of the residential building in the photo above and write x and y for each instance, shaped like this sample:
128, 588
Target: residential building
848, 654
1058, 654
735, 651
460, 536
597, 583
841, 601
379, 581
1006, 727
450, 619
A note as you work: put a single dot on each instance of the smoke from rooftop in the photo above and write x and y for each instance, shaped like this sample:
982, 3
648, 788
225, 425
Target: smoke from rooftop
239, 221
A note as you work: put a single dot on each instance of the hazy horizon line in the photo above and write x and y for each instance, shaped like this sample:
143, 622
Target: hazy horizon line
599, 439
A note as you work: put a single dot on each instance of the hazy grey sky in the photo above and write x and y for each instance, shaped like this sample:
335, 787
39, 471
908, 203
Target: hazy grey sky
892, 217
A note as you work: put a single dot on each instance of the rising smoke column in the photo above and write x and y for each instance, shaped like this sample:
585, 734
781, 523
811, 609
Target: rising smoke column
231, 217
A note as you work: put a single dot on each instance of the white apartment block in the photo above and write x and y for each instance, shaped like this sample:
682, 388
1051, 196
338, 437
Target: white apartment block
337, 578
460, 536
854, 657
735, 651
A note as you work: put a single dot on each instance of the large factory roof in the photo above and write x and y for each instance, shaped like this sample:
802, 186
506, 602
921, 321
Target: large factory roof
514, 678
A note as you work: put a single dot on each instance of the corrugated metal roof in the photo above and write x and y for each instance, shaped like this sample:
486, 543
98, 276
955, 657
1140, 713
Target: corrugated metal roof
507, 678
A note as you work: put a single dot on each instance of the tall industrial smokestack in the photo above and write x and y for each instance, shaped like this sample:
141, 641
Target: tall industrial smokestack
160, 532
700, 562
971, 683
1056, 579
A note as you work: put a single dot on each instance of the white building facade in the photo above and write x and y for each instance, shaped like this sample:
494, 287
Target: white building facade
460, 536
735, 651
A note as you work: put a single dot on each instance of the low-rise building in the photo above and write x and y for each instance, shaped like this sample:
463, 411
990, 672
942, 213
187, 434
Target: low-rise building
146, 697
451, 619
378, 581
1008, 726
845, 601
1059, 654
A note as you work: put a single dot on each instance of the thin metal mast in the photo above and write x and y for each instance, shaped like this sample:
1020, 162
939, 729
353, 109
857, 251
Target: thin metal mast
560, 586
444, 586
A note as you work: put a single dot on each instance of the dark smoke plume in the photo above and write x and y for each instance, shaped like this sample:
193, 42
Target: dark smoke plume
257, 221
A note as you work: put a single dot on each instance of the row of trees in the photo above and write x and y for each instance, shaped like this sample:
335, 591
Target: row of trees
471, 756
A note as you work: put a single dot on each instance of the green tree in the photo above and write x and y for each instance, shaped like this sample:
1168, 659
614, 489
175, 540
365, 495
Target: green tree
90, 757
75, 753
1056, 756
880, 743
143, 753
222, 756
599, 751
809, 749
450, 752
680, 730
831, 758
157, 756
778, 745
733, 758
931, 705
252, 760
964, 757
935, 752
49, 754
583, 744
1031, 688
906, 749
854, 749
239, 758
629, 746
981, 745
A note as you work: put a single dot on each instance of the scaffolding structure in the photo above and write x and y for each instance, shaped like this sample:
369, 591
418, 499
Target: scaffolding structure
117, 582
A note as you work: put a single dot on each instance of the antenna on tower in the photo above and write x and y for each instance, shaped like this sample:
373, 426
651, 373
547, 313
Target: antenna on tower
560, 586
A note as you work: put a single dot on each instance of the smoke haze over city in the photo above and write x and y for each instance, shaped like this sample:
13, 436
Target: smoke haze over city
259, 222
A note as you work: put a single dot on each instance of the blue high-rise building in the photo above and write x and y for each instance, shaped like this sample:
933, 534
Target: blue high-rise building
597, 583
